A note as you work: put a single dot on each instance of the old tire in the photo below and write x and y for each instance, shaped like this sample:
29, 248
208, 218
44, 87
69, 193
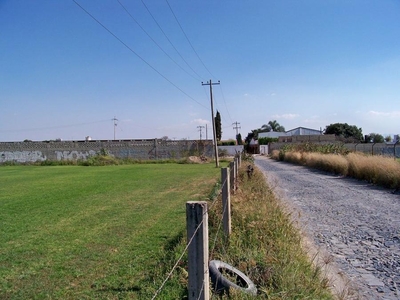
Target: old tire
221, 284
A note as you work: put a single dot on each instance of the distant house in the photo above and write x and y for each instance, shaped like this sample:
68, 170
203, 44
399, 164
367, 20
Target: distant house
295, 131
303, 131
271, 134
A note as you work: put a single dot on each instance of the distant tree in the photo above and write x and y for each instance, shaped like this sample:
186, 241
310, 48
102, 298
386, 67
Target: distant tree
218, 128
239, 139
272, 126
251, 135
374, 138
267, 140
388, 139
265, 128
345, 130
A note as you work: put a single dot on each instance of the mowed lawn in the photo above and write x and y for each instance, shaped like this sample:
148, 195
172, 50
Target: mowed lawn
70, 232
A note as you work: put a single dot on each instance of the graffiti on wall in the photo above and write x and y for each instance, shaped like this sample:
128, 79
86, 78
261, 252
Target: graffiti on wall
22, 156
74, 155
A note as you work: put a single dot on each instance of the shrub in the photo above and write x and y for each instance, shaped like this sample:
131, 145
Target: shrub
222, 152
227, 143
275, 154
101, 160
267, 140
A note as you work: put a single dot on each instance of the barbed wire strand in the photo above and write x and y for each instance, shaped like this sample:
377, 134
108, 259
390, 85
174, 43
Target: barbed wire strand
188, 244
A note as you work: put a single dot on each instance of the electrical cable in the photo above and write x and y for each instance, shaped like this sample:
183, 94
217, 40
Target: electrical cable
159, 26
226, 106
188, 40
141, 58
141, 27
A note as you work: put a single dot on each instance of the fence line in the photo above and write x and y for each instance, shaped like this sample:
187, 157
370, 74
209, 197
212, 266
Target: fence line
208, 208
178, 261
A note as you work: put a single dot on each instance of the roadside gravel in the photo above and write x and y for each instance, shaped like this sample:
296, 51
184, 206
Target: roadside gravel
354, 224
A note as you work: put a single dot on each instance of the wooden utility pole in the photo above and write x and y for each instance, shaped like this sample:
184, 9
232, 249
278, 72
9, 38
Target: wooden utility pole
236, 127
115, 125
213, 122
200, 127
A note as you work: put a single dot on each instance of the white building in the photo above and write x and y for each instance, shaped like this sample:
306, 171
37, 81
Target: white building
295, 131
303, 131
271, 134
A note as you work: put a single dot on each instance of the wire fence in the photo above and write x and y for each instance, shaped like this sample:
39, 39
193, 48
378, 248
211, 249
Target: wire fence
234, 166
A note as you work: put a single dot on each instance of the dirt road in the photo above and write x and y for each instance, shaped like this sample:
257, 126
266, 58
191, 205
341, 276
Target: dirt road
355, 226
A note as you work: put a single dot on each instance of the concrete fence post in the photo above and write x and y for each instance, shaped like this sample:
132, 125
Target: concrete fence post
226, 201
236, 170
232, 174
197, 235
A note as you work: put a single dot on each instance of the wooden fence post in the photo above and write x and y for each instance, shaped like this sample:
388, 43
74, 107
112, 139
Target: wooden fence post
226, 201
197, 235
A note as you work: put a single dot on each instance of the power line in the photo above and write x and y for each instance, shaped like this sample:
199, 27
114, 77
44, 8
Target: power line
141, 27
159, 26
188, 39
226, 106
219, 109
141, 58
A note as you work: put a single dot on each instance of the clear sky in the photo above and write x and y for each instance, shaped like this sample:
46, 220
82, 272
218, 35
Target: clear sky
304, 63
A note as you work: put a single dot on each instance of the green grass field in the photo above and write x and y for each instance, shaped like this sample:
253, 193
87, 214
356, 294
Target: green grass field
69, 232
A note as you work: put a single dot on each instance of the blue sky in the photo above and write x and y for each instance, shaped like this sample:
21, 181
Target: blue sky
303, 63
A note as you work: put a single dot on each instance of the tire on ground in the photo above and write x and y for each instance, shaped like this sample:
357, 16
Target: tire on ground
221, 284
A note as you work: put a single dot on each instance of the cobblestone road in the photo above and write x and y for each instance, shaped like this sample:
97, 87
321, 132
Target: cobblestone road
355, 222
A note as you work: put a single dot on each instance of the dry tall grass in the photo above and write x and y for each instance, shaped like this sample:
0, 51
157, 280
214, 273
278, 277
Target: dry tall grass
337, 164
376, 169
380, 170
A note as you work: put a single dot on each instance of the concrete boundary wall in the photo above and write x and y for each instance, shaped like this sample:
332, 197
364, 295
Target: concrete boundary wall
368, 148
74, 150
232, 150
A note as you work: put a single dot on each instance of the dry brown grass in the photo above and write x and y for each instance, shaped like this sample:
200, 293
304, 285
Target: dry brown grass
294, 157
337, 164
380, 170
275, 154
